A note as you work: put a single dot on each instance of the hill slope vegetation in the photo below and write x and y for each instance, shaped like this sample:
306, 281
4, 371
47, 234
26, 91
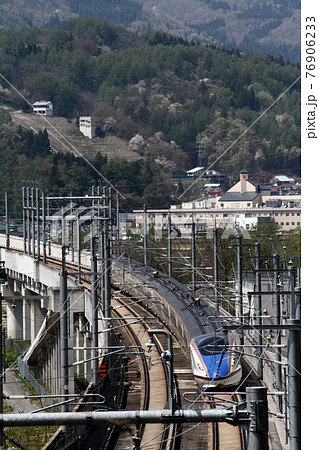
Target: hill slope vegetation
168, 95
271, 26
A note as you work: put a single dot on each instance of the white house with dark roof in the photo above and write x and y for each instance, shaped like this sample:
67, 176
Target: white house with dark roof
43, 107
195, 172
279, 180
285, 184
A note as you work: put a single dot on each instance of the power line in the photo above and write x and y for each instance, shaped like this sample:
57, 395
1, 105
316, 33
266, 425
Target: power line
241, 135
66, 143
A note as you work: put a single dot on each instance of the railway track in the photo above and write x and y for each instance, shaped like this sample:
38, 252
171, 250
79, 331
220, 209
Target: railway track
146, 379
203, 436
221, 435
146, 375
227, 436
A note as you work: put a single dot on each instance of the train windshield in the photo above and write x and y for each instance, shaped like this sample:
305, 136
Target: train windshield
211, 345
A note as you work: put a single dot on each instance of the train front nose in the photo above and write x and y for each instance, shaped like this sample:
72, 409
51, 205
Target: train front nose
217, 366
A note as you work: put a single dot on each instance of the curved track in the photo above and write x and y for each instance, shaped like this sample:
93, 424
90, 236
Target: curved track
145, 377
227, 436
145, 372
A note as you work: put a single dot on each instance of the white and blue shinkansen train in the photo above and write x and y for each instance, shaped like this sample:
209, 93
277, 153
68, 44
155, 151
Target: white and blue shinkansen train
215, 361
214, 357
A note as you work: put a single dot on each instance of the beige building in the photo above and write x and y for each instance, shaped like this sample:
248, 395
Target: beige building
243, 205
88, 125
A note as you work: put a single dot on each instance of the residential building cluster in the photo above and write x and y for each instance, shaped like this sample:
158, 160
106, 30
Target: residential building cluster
243, 205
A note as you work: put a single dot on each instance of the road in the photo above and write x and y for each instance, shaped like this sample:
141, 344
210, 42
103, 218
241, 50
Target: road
14, 387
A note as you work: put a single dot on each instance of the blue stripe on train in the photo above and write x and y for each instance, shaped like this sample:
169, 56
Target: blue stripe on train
215, 368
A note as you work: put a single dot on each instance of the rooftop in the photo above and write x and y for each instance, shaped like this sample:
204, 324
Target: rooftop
237, 196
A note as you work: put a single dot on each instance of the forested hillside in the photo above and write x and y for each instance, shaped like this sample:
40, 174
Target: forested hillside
262, 26
172, 93
257, 26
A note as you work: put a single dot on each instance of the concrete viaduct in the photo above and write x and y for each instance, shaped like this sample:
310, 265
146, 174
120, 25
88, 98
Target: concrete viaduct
31, 311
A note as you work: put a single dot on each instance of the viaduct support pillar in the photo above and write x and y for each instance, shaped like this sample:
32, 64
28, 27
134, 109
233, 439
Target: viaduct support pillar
14, 315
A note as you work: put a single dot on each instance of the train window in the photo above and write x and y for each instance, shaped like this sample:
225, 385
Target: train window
211, 349
209, 345
3, 275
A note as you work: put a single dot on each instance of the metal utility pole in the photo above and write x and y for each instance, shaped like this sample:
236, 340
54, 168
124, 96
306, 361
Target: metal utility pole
7, 220
240, 283
102, 251
63, 225
44, 237
294, 371
107, 277
1, 374
200, 147
94, 309
117, 237
78, 245
193, 247
258, 311
28, 222
24, 218
298, 302
145, 235
169, 244
294, 385
64, 333
37, 209
71, 234
110, 204
50, 227
106, 266
257, 405
277, 314
292, 283
215, 257
33, 221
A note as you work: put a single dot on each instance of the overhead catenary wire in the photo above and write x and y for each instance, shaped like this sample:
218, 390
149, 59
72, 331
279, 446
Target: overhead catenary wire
263, 352
239, 325
241, 135
54, 323
62, 139
196, 269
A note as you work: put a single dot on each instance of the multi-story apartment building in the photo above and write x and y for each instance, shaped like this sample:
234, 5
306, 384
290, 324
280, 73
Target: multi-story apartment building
88, 125
243, 205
